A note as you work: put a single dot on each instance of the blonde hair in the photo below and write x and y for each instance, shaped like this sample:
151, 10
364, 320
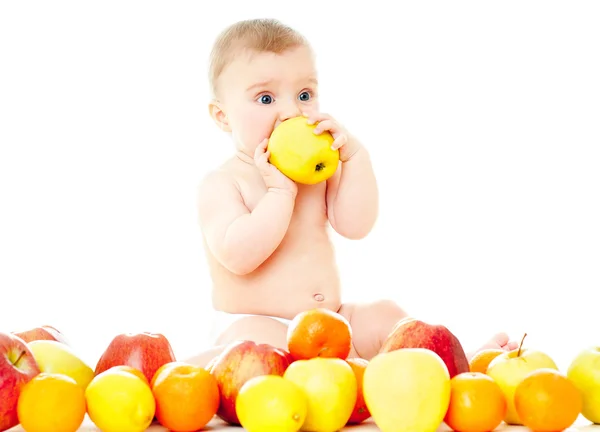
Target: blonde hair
254, 35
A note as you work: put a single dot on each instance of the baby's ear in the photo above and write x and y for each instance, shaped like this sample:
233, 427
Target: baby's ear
218, 115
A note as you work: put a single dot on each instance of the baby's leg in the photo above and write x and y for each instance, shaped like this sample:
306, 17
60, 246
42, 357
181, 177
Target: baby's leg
259, 329
371, 324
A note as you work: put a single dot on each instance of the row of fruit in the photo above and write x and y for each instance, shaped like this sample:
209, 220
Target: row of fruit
45, 386
420, 378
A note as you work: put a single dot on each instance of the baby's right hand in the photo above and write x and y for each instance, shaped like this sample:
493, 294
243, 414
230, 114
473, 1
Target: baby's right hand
274, 179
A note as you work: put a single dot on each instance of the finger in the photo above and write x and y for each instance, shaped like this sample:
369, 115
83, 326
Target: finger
339, 142
501, 339
262, 165
512, 345
263, 159
260, 148
264, 144
315, 117
325, 125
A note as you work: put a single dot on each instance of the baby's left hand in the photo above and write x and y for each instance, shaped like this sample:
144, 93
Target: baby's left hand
342, 140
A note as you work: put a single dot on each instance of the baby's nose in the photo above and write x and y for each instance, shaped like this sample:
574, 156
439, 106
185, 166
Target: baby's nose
290, 110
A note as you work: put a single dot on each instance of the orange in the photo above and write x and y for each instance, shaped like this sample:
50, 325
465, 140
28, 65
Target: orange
546, 400
319, 333
481, 360
477, 403
132, 370
160, 369
51, 402
187, 396
360, 412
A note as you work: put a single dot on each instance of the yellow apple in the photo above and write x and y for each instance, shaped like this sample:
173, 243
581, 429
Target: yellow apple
407, 390
300, 154
510, 368
55, 357
584, 372
331, 389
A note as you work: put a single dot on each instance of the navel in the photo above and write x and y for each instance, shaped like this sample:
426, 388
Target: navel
319, 297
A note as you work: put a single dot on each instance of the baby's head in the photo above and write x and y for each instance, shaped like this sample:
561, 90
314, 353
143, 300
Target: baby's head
261, 73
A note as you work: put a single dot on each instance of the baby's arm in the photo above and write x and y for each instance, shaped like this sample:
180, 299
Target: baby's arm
242, 240
353, 196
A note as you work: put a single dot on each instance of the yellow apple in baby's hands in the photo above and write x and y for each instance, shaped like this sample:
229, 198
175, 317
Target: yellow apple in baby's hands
300, 154
584, 372
510, 368
56, 357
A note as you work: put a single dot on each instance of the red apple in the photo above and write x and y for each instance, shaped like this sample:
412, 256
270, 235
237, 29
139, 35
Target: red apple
17, 368
211, 363
44, 332
144, 351
361, 410
237, 363
413, 333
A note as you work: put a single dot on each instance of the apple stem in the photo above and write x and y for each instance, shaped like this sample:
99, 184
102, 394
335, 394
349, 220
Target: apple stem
16, 363
521, 345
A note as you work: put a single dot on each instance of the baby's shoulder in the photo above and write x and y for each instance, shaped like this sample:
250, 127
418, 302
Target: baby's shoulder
216, 179
229, 177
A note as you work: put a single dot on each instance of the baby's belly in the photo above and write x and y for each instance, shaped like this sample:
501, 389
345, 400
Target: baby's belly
299, 276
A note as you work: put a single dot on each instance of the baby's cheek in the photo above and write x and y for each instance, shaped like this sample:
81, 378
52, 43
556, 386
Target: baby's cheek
257, 126
312, 107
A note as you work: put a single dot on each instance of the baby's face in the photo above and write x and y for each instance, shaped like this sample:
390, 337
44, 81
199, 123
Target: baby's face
260, 90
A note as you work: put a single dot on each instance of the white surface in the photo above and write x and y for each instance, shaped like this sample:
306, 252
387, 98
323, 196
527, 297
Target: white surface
218, 425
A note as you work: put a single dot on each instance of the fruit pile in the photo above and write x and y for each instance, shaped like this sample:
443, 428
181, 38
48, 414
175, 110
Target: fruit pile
420, 379
46, 387
311, 386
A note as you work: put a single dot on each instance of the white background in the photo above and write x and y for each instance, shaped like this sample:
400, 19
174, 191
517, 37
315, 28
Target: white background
483, 120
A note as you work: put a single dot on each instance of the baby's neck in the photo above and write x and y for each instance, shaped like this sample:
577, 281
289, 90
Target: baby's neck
244, 157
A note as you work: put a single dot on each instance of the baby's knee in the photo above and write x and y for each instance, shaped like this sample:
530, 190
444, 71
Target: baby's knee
259, 329
387, 308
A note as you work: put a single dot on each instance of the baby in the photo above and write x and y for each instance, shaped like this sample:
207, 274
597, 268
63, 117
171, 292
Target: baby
266, 237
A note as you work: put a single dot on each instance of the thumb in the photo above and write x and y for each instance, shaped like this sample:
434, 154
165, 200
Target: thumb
260, 148
264, 144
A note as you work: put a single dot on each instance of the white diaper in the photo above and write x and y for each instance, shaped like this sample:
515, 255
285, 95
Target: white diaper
222, 320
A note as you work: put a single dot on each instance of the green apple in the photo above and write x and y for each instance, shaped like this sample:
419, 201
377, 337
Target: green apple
584, 372
407, 390
56, 357
510, 368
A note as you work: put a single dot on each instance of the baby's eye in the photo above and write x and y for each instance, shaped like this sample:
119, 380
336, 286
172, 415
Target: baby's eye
304, 96
265, 99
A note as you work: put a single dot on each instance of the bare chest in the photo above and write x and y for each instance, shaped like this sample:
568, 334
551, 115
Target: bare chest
310, 206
